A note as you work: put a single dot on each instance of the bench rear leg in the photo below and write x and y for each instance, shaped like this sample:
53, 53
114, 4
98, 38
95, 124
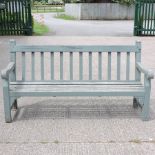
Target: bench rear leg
7, 107
135, 102
15, 105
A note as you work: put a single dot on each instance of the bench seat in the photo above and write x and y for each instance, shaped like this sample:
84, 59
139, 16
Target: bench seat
76, 89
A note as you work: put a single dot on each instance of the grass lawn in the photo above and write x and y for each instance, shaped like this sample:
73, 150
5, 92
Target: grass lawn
65, 17
39, 28
47, 10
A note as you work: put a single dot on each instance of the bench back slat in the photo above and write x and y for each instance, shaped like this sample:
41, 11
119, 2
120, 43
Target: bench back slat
90, 65
42, 65
80, 65
32, 66
23, 66
101, 60
118, 65
99, 65
109, 65
138, 59
13, 58
52, 65
71, 66
61, 65
127, 65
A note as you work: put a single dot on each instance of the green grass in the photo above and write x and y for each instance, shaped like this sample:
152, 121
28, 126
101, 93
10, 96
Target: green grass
65, 17
39, 28
47, 10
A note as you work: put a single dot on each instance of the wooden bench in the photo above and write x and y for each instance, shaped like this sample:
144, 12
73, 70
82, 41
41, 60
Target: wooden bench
89, 72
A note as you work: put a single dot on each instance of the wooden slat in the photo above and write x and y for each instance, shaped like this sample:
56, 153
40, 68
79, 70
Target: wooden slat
76, 90
42, 65
128, 66
75, 48
80, 65
118, 65
52, 65
13, 59
23, 66
133, 92
90, 65
138, 59
61, 65
76, 82
100, 65
33, 66
71, 65
109, 65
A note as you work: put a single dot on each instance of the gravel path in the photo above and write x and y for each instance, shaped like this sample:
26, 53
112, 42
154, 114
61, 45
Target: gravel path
60, 27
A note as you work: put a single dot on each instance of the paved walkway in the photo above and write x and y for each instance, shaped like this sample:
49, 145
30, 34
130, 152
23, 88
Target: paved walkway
78, 125
61, 27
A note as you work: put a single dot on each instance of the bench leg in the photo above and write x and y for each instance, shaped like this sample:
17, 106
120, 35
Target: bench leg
7, 107
15, 105
135, 102
146, 108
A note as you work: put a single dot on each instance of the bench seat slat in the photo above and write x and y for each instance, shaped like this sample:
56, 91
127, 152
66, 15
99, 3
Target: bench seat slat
76, 90
77, 83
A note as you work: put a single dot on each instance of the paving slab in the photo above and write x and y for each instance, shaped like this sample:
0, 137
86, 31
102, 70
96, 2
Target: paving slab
78, 125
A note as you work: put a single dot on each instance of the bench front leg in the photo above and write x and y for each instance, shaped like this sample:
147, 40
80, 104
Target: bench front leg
6, 98
146, 108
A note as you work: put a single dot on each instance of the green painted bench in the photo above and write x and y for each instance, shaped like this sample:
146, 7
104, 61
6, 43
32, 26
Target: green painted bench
94, 85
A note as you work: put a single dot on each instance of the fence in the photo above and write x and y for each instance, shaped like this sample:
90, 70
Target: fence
15, 17
144, 23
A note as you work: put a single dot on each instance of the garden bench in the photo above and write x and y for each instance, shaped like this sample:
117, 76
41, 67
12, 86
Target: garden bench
108, 60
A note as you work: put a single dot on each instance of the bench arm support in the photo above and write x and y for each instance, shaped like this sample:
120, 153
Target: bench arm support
148, 73
5, 72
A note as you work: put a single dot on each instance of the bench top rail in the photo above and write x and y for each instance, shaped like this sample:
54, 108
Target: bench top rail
76, 48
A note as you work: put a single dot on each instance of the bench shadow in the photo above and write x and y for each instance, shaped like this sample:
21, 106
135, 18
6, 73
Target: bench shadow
64, 109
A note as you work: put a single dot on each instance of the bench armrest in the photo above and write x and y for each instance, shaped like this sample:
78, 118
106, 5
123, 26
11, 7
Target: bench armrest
5, 72
149, 73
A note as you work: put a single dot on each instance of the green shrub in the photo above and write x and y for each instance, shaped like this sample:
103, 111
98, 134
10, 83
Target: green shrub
125, 2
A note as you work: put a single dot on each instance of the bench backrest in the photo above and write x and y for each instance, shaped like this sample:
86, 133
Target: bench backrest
82, 63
